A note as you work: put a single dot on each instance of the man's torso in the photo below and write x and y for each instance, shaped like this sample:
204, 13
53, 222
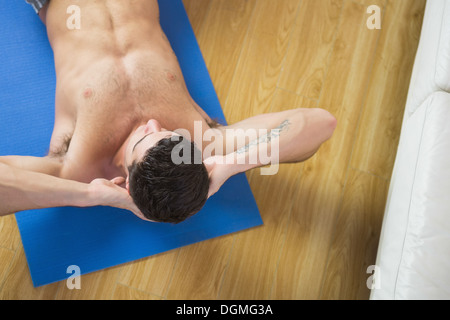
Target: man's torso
115, 71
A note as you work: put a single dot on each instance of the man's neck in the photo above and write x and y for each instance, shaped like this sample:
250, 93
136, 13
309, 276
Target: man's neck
118, 161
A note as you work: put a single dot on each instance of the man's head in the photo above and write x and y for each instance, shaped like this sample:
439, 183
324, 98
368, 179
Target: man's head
163, 190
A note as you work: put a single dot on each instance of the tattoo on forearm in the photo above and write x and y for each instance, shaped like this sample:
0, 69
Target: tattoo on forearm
284, 126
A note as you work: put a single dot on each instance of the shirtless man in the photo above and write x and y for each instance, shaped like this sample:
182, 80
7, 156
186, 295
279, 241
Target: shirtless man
119, 104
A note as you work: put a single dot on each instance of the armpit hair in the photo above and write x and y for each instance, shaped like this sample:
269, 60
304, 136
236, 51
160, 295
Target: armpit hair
59, 150
214, 123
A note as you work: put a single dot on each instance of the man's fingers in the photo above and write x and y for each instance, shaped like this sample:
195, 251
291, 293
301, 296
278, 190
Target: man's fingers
125, 200
118, 180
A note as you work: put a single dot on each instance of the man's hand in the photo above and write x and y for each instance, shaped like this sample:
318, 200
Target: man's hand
218, 172
109, 193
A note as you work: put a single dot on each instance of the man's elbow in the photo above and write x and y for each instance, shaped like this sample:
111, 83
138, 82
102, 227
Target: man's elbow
331, 124
328, 123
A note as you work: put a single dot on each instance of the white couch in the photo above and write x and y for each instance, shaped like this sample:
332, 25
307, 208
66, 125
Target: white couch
413, 260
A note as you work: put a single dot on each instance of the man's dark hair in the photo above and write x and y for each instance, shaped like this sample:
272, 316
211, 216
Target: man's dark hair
165, 191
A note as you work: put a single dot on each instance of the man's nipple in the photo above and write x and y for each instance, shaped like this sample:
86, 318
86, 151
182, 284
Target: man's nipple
170, 76
87, 93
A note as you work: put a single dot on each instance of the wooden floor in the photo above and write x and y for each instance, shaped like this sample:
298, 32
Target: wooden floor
322, 218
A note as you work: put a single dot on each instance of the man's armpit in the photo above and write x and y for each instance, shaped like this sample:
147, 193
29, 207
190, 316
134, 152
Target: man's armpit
60, 146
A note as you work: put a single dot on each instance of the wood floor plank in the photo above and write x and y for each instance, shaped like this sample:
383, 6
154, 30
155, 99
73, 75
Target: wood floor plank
356, 237
310, 48
152, 275
368, 3
196, 11
122, 292
311, 220
9, 232
285, 100
93, 286
261, 59
381, 121
315, 209
222, 40
6, 257
254, 257
200, 270
17, 284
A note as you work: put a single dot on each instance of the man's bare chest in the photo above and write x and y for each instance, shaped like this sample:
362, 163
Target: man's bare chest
100, 105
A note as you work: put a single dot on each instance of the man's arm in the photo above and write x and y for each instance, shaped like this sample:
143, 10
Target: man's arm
48, 165
25, 190
297, 135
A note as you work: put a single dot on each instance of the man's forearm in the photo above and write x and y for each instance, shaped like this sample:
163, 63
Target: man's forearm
262, 151
295, 139
24, 190
297, 135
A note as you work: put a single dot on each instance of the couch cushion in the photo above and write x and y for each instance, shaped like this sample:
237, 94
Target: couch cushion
413, 255
432, 66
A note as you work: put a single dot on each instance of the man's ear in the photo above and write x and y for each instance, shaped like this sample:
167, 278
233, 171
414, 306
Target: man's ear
127, 184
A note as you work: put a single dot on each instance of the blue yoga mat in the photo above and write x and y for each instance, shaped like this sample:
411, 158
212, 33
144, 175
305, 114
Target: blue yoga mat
99, 237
